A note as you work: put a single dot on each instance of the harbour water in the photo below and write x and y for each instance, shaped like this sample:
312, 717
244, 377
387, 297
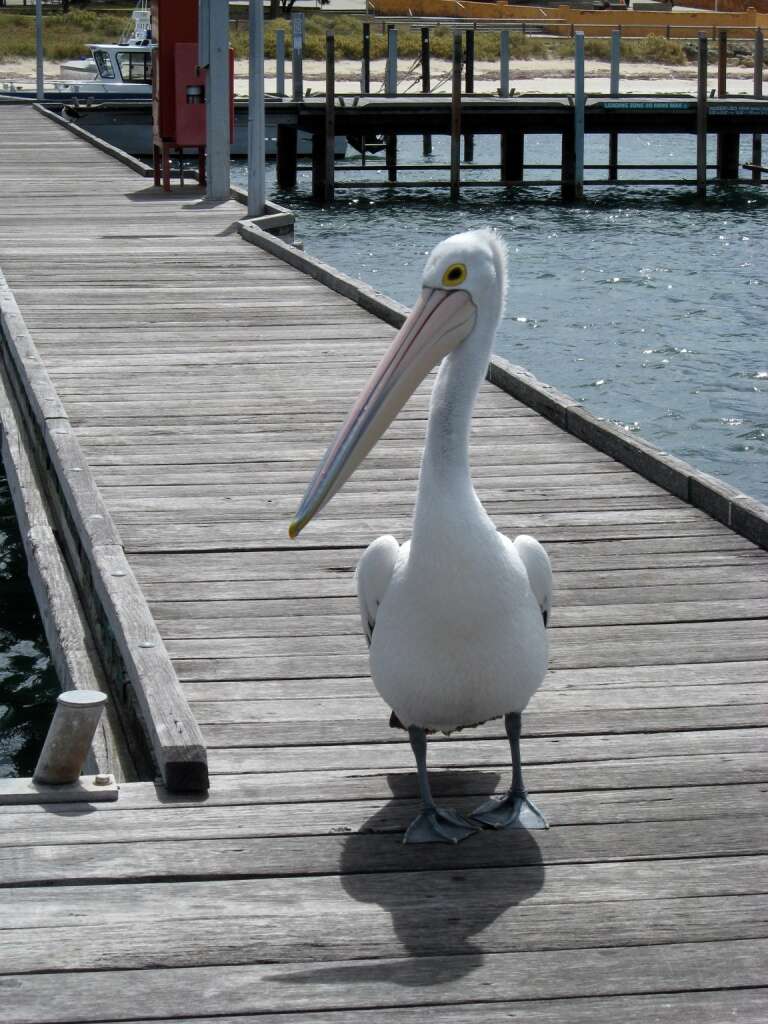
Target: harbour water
642, 303
28, 684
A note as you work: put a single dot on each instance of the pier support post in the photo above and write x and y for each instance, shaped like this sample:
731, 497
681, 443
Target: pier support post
568, 165
69, 737
390, 84
256, 115
365, 68
701, 120
469, 88
297, 56
390, 89
40, 91
504, 63
330, 115
613, 137
456, 119
512, 155
287, 135
578, 118
214, 36
426, 83
757, 140
727, 142
390, 156
280, 62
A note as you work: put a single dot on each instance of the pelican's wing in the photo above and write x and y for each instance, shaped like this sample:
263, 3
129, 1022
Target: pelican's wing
539, 570
374, 571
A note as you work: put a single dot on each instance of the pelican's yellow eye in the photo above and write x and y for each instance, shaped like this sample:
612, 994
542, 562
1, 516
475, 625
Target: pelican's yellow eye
455, 275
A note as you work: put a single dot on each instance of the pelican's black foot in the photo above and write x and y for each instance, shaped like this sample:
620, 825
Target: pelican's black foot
438, 825
515, 810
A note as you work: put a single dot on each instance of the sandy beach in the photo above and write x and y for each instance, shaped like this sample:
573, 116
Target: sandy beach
527, 77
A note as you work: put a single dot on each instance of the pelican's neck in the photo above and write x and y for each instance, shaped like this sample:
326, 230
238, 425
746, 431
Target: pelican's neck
445, 482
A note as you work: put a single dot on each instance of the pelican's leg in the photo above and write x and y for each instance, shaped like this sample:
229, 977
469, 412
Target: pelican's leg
433, 825
516, 809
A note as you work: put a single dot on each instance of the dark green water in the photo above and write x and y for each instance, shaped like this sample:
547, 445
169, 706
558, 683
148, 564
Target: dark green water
28, 684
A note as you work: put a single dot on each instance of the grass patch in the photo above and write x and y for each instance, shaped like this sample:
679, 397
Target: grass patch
68, 35
64, 35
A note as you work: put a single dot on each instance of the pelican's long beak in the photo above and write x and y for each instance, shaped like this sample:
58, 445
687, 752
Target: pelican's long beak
438, 323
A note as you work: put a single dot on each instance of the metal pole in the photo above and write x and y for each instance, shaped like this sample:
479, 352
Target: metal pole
297, 55
69, 736
391, 72
280, 62
256, 117
615, 61
39, 49
578, 121
757, 140
217, 100
504, 62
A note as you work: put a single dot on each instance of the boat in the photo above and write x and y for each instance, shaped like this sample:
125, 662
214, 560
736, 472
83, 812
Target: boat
115, 103
139, 34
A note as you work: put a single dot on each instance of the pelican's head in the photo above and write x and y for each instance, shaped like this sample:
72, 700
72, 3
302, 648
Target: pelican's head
461, 301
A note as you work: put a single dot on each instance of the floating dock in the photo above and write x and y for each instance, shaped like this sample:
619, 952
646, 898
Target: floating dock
176, 372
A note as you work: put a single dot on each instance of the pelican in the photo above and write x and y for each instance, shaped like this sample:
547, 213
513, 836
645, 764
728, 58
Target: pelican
456, 617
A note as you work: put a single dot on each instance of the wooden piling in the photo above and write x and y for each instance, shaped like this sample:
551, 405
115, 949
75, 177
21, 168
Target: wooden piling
701, 120
727, 142
286, 156
512, 155
722, 63
390, 154
280, 62
426, 83
365, 71
456, 119
469, 88
504, 62
297, 55
757, 139
578, 118
330, 114
613, 138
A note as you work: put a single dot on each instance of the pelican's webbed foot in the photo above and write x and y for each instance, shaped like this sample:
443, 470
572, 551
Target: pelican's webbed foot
515, 810
439, 825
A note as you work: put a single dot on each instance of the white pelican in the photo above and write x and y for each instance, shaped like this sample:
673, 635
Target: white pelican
456, 617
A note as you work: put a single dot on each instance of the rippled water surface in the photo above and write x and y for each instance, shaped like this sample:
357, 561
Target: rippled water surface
650, 308
28, 685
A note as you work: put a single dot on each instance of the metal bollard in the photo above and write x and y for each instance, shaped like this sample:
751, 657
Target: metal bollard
69, 736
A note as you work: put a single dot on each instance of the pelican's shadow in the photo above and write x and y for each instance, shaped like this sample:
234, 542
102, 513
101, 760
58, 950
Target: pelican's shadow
439, 898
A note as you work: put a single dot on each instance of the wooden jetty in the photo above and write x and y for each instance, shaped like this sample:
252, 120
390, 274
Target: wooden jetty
196, 367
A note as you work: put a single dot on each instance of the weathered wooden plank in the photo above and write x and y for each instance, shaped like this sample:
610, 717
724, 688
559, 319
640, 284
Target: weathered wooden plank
747, 1006
346, 984
482, 752
328, 818
385, 928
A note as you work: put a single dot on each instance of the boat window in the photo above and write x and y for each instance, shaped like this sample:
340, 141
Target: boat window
104, 64
135, 67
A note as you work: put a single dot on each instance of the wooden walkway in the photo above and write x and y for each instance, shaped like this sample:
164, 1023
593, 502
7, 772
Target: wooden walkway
204, 377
